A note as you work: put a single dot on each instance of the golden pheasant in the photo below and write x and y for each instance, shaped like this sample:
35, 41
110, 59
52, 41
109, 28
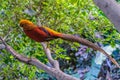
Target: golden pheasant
42, 34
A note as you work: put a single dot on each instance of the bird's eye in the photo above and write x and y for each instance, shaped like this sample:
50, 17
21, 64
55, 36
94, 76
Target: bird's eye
21, 25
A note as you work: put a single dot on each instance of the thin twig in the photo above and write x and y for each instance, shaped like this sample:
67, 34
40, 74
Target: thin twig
9, 31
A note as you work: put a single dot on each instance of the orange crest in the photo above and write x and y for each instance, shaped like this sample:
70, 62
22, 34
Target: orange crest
24, 21
26, 24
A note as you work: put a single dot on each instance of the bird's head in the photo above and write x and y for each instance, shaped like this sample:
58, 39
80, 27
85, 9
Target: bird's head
26, 24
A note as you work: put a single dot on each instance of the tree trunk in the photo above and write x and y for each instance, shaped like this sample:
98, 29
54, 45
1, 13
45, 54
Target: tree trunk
111, 9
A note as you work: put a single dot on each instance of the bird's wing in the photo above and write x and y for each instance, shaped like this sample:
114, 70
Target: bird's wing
44, 30
49, 36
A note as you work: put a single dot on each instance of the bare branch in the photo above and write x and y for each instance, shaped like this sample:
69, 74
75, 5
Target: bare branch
54, 63
33, 61
9, 31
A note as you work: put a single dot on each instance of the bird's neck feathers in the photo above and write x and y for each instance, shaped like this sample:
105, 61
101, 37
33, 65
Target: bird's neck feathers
29, 27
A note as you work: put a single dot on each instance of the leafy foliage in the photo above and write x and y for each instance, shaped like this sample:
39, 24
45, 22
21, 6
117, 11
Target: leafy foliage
118, 0
76, 17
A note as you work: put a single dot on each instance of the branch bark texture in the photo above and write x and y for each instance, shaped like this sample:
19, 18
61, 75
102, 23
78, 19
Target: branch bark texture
56, 72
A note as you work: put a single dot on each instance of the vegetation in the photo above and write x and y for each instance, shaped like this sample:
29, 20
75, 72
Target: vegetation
77, 17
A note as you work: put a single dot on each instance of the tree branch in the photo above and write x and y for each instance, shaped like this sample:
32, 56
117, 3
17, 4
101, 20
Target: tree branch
33, 61
54, 63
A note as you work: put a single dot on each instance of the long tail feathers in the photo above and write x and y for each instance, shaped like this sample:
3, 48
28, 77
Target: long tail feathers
89, 44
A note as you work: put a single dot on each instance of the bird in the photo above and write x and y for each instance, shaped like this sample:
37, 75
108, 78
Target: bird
45, 34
